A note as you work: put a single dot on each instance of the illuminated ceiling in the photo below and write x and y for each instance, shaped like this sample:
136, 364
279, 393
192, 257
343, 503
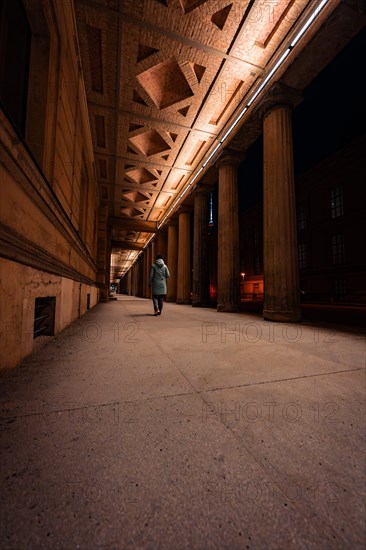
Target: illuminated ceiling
165, 79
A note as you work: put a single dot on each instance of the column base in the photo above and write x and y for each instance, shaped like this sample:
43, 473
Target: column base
171, 300
184, 302
228, 308
283, 316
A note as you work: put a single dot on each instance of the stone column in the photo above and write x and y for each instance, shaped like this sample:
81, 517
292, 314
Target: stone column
135, 276
201, 267
140, 279
281, 269
184, 273
146, 272
133, 280
148, 269
228, 265
153, 251
161, 244
143, 269
124, 285
129, 282
172, 261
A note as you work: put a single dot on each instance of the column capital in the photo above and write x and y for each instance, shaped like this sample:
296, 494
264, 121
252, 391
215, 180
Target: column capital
185, 210
201, 189
171, 222
247, 134
161, 230
230, 156
278, 95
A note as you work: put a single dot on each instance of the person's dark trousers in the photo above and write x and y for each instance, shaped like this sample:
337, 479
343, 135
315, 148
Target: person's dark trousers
158, 300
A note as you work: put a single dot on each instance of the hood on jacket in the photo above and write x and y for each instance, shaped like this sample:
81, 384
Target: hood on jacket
159, 262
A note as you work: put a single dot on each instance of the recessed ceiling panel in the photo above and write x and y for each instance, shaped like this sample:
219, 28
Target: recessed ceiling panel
165, 83
140, 175
150, 143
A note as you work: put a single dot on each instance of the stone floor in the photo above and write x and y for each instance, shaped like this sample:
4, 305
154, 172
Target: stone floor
192, 430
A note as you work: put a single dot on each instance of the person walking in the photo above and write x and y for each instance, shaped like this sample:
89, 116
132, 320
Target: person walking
158, 275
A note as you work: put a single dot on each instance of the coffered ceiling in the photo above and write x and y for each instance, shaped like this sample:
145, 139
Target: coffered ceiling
163, 78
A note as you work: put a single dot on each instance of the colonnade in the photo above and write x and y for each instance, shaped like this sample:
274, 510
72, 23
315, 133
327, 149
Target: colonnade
281, 273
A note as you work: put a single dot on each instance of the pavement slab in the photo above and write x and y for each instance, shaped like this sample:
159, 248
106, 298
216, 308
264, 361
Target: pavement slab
191, 430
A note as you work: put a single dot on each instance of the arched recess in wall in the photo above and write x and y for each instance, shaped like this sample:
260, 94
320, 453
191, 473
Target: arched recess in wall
43, 84
15, 38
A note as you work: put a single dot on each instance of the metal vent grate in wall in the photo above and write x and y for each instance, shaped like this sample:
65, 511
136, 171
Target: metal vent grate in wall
44, 316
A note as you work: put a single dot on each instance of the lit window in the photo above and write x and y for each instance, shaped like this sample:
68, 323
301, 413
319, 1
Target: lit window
338, 249
302, 256
336, 201
301, 216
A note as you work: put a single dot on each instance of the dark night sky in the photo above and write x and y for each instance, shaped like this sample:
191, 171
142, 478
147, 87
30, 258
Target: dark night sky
334, 107
332, 114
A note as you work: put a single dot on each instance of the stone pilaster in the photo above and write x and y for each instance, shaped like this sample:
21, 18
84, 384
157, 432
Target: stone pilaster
228, 265
201, 267
281, 270
102, 254
172, 261
184, 274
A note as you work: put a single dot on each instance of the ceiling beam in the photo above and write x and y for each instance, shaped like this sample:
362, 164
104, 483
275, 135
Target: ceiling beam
125, 245
133, 225
152, 27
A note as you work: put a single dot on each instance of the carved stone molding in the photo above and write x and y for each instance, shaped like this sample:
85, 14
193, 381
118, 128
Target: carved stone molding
17, 248
18, 162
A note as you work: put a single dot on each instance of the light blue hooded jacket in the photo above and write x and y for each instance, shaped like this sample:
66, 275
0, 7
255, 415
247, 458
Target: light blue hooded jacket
158, 275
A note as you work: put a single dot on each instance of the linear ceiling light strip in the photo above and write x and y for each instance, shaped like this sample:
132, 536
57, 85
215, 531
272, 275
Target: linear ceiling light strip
312, 18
